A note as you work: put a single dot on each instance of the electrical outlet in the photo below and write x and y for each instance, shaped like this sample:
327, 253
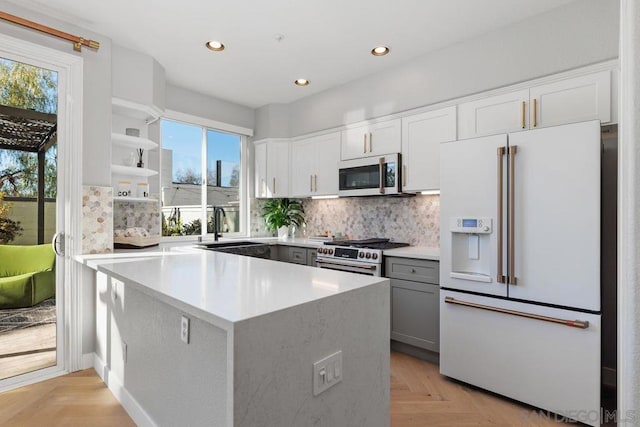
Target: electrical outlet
327, 372
184, 329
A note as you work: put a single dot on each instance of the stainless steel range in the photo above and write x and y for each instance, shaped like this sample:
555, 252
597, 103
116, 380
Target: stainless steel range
356, 256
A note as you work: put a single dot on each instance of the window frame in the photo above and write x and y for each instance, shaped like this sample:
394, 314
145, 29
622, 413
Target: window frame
243, 186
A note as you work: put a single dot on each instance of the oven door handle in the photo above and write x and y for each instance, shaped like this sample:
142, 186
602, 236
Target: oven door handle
367, 269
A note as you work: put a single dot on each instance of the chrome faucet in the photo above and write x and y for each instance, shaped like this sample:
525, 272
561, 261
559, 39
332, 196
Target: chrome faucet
217, 222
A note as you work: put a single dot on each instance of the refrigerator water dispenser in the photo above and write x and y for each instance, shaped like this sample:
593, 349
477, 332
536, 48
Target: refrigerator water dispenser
470, 247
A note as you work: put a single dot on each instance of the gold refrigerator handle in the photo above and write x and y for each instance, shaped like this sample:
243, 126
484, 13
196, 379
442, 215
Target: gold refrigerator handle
523, 119
582, 324
513, 149
381, 173
500, 277
535, 112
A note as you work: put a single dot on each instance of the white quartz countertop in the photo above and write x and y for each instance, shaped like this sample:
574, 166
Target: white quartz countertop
418, 252
225, 288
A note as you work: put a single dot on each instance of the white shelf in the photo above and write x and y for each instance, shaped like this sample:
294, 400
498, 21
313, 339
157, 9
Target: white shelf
132, 141
134, 199
132, 109
128, 170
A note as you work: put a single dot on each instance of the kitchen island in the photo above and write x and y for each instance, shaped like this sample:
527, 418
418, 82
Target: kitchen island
255, 329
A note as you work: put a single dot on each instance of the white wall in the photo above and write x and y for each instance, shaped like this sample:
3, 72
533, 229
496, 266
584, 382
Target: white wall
575, 35
197, 104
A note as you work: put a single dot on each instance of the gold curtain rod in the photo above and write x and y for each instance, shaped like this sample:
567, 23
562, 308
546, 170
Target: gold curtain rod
77, 41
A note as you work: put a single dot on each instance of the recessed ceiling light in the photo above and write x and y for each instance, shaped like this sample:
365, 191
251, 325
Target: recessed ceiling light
214, 45
302, 82
379, 51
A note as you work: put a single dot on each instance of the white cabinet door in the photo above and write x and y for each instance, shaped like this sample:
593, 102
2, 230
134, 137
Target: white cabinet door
572, 100
327, 156
385, 138
557, 215
371, 140
494, 115
260, 170
278, 168
303, 167
421, 138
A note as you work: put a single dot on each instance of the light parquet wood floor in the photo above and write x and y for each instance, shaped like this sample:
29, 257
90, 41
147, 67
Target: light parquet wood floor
27, 347
420, 397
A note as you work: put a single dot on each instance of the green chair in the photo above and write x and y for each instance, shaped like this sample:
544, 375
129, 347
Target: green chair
27, 275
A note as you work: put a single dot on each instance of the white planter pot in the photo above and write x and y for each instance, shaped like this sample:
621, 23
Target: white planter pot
283, 232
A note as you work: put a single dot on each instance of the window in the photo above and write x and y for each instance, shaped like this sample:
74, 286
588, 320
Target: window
201, 170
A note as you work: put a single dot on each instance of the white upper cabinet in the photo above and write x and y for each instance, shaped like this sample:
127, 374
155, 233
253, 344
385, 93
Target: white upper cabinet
421, 138
371, 140
314, 166
573, 100
566, 101
271, 168
493, 115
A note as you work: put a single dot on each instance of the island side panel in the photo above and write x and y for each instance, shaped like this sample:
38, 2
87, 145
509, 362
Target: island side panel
173, 382
274, 356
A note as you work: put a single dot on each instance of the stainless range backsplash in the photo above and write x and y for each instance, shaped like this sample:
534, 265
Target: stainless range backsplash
414, 220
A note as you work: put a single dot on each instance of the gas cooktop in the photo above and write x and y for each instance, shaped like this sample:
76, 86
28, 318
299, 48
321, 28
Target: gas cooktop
368, 243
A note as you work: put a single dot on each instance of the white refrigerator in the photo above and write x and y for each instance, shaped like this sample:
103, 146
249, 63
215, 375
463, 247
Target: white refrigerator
520, 266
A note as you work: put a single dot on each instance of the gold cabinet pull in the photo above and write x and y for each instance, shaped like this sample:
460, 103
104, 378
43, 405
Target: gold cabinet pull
512, 216
535, 112
315, 182
581, 324
364, 143
311, 183
274, 185
404, 175
500, 277
370, 142
523, 117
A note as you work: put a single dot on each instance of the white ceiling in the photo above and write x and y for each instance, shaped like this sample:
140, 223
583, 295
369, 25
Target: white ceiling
325, 41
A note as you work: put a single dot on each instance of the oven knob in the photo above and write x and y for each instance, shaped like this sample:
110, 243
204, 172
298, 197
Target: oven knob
361, 255
368, 255
330, 251
319, 250
325, 251
374, 256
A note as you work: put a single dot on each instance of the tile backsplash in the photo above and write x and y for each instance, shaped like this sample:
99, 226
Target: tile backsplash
137, 214
97, 219
414, 220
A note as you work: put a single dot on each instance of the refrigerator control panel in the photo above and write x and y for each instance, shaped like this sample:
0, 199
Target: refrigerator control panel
471, 225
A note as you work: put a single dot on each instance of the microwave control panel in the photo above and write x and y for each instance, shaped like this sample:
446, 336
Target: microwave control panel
471, 225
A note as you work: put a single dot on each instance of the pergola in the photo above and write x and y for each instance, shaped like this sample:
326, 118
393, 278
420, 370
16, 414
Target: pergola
30, 131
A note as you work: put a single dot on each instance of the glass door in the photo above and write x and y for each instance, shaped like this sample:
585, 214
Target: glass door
29, 330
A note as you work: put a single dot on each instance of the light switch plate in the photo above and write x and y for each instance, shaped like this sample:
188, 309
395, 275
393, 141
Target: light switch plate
327, 372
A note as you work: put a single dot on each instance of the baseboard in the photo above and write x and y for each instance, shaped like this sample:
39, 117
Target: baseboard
417, 352
87, 361
131, 405
609, 377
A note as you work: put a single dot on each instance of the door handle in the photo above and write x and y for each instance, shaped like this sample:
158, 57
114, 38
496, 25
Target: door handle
58, 242
581, 324
513, 149
500, 277
380, 172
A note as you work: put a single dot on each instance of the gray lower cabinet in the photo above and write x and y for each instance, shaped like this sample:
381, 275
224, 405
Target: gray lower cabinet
415, 301
296, 254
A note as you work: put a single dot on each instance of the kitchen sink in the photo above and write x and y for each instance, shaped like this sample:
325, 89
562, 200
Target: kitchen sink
221, 245
252, 249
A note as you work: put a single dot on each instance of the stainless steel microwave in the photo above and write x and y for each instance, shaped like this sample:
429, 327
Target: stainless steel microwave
370, 176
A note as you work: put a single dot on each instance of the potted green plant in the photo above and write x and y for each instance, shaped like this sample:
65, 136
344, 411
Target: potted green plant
281, 214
